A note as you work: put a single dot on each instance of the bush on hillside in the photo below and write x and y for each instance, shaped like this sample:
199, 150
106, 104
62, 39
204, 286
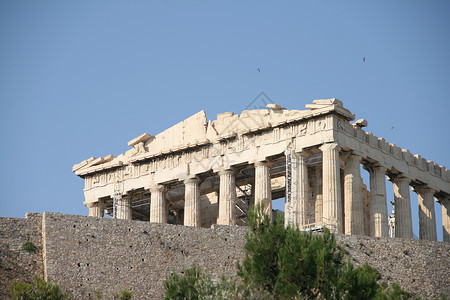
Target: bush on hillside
37, 289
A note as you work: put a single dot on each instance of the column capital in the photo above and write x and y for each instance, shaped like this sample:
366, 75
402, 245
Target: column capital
226, 172
262, 163
157, 188
93, 204
193, 179
303, 153
371, 167
400, 178
354, 156
330, 146
350, 156
424, 189
380, 168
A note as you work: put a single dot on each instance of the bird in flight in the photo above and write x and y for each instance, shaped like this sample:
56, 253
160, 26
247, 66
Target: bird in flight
364, 59
392, 127
259, 70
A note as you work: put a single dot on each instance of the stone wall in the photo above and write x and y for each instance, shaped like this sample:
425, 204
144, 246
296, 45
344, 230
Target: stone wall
419, 266
85, 254
16, 263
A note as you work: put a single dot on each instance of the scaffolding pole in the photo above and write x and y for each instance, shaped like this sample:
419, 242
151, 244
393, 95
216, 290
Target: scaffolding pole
290, 209
117, 194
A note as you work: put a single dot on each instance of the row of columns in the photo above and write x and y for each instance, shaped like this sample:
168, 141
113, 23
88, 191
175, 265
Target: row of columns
332, 203
227, 198
353, 221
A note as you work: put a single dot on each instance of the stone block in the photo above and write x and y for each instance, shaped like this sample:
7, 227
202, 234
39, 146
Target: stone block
372, 140
275, 107
396, 151
142, 138
420, 162
408, 156
225, 115
361, 123
360, 134
166, 175
328, 102
383, 145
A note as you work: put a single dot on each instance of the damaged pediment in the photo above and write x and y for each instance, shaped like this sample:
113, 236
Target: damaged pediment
101, 160
140, 139
82, 164
332, 104
323, 103
93, 162
197, 131
138, 144
189, 132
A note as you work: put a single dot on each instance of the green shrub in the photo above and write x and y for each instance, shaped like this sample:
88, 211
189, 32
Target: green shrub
183, 287
38, 289
126, 295
29, 247
197, 285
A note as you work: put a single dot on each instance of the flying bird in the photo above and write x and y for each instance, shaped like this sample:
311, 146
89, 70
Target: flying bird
392, 127
259, 70
364, 59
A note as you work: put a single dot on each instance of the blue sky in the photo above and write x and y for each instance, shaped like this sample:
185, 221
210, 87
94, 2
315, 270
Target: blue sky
82, 78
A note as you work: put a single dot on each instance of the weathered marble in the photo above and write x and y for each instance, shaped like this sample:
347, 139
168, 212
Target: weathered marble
445, 202
263, 194
353, 200
192, 161
123, 210
96, 209
192, 202
427, 216
378, 205
331, 185
158, 209
227, 198
403, 218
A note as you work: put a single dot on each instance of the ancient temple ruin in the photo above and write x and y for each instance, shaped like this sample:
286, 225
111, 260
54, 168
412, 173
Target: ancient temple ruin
201, 172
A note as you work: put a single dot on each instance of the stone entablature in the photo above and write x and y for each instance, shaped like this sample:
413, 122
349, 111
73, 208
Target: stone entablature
255, 142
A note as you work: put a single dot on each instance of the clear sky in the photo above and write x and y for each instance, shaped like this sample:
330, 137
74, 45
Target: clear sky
82, 78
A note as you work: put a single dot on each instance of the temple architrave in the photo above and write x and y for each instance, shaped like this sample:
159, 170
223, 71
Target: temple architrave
200, 172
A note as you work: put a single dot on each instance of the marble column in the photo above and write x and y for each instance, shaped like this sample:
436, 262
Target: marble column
263, 190
403, 219
158, 209
427, 216
300, 189
192, 202
96, 209
353, 201
318, 205
445, 204
378, 206
227, 198
331, 187
123, 209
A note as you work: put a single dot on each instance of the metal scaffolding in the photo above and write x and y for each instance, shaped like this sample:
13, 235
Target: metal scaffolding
117, 196
291, 211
